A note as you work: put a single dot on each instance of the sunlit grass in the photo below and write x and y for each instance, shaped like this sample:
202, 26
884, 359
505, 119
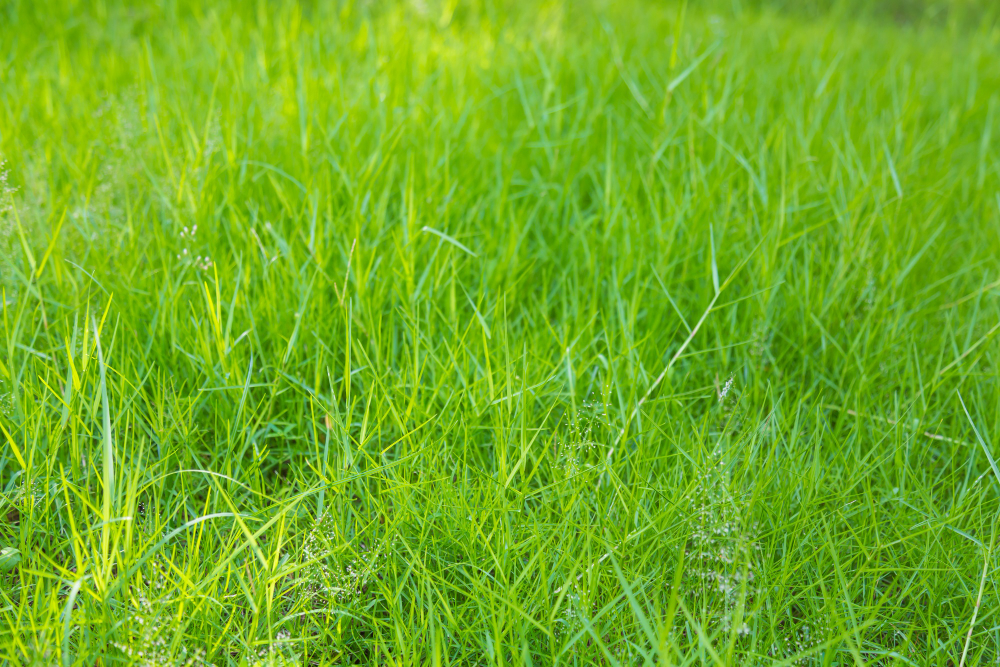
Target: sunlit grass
467, 333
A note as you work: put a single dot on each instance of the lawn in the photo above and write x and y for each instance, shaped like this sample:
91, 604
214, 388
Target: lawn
499, 333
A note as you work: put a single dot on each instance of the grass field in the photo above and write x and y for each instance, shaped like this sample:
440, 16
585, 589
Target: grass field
468, 333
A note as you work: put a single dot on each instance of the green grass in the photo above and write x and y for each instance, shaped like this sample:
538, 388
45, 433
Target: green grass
545, 332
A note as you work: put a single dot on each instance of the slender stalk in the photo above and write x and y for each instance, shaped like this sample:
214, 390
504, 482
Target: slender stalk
108, 453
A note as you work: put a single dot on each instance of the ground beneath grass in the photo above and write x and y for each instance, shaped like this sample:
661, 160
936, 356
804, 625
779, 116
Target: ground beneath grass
489, 333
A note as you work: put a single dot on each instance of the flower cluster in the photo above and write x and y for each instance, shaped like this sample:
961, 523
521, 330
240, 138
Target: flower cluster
729, 398
804, 637
27, 494
147, 642
336, 578
277, 654
726, 388
6, 400
583, 437
570, 620
721, 558
188, 238
6, 200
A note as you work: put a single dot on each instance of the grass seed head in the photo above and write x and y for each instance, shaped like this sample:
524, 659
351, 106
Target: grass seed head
332, 577
722, 558
151, 638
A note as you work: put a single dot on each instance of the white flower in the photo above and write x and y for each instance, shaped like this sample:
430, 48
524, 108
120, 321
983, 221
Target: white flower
725, 389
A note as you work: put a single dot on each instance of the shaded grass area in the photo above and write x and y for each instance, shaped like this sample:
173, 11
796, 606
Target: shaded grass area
476, 333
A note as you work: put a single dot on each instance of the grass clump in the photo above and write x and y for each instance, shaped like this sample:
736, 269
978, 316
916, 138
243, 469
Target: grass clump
499, 333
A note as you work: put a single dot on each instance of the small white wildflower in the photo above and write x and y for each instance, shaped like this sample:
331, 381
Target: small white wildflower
6, 401
571, 620
147, 642
591, 420
6, 200
278, 653
187, 235
725, 389
721, 561
333, 579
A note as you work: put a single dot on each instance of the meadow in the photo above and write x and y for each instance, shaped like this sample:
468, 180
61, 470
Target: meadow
499, 333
